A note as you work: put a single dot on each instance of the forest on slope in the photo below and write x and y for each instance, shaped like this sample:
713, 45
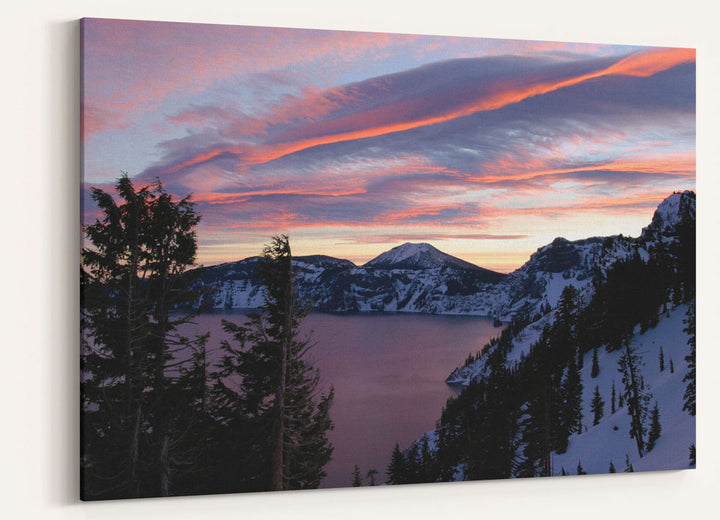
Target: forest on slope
602, 382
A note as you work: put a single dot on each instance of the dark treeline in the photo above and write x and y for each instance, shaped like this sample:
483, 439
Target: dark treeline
510, 421
157, 419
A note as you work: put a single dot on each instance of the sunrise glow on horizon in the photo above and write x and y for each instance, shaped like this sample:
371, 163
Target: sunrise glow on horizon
353, 143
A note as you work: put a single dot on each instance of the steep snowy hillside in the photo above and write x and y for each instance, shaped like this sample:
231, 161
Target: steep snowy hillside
609, 441
605, 443
677, 208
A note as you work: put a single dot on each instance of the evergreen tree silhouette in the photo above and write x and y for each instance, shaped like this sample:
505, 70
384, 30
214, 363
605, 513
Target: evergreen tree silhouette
279, 386
597, 407
595, 370
689, 397
396, 472
143, 383
356, 478
655, 428
636, 395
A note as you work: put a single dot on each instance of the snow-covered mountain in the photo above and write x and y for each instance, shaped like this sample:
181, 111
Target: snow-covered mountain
534, 290
418, 256
409, 278
675, 209
421, 278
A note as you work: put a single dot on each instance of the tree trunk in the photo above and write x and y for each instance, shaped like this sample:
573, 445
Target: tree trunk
164, 467
636, 416
161, 406
278, 465
133, 387
134, 453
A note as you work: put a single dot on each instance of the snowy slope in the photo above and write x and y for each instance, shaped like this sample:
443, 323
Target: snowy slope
669, 213
600, 444
609, 441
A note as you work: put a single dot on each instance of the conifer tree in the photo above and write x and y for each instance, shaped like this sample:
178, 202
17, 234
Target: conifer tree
542, 432
628, 465
571, 410
494, 425
595, 370
692, 455
563, 334
371, 475
672, 366
655, 428
413, 465
635, 395
612, 469
396, 473
427, 462
612, 398
279, 386
141, 379
661, 360
685, 251
689, 397
597, 407
580, 470
357, 479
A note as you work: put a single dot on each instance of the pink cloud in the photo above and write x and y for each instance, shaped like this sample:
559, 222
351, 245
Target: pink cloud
152, 60
407, 115
680, 164
625, 205
95, 119
426, 237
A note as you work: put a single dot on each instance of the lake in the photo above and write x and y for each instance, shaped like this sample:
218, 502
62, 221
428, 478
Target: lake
388, 371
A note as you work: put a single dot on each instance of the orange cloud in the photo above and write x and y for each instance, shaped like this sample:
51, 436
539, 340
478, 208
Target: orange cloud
153, 69
417, 211
674, 163
233, 198
641, 64
95, 119
647, 63
625, 204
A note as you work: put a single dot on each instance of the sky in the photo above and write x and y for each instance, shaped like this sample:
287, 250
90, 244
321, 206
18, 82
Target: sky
353, 143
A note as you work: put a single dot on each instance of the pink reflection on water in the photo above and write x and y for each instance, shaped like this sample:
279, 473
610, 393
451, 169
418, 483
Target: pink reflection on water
388, 371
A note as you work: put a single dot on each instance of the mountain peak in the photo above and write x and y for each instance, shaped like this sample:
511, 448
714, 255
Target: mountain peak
417, 256
672, 211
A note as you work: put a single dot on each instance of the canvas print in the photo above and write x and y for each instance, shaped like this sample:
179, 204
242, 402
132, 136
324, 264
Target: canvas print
318, 259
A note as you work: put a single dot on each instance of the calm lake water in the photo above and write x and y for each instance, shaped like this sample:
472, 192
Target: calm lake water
388, 371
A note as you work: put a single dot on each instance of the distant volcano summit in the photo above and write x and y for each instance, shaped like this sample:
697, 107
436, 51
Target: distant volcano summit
418, 256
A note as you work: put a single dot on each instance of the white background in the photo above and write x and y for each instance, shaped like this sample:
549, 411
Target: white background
39, 167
